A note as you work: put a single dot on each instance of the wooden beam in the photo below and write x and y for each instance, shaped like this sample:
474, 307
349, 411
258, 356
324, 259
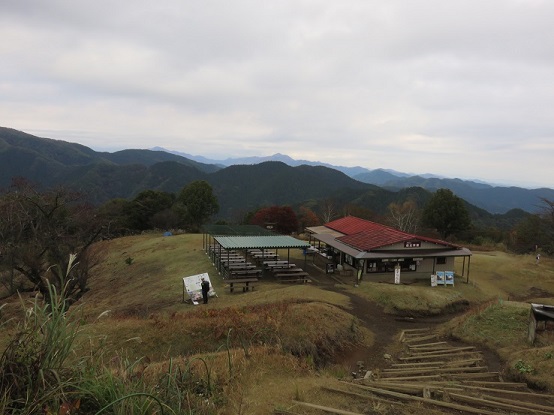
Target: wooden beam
530, 405
404, 378
429, 401
517, 385
509, 392
493, 404
326, 408
361, 395
445, 351
484, 375
419, 364
436, 370
421, 338
440, 356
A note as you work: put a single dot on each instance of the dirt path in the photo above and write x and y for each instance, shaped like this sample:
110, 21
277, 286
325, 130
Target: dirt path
387, 329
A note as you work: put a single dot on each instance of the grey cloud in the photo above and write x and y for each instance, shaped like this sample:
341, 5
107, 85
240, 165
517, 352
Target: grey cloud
381, 84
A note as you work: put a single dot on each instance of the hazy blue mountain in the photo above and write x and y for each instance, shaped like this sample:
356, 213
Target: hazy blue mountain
349, 171
494, 199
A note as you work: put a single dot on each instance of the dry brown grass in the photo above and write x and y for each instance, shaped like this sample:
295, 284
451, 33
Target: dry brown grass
512, 277
280, 338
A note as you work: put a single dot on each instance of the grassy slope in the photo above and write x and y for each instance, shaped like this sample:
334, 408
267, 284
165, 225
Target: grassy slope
146, 317
136, 310
156, 292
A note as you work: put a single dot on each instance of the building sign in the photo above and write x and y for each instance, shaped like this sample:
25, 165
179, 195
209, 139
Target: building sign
412, 244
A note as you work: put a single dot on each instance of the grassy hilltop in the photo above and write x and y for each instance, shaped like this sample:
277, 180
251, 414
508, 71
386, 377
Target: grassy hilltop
257, 352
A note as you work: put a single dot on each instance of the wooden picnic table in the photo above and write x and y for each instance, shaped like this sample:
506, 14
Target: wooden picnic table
302, 280
292, 270
281, 267
241, 265
231, 256
295, 274
232, 260
245, 272
275, 263
246, 283
266, 255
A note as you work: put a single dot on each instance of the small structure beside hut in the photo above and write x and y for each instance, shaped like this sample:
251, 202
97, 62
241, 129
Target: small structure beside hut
539, 313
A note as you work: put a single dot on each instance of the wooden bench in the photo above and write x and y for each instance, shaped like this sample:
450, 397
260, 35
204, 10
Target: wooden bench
233, 261
287, 271
292, 275
239, 273
302, 280
259, 259
246, 283
241, 265
276, 262
282, 268
273, 265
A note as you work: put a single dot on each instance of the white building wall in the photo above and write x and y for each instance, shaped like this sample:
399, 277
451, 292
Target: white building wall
427, 265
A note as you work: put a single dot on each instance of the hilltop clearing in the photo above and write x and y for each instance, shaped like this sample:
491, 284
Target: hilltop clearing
261, 351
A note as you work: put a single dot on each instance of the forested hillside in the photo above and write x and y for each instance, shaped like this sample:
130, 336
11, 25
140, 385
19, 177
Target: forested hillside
494, 199
239, 188
100, 175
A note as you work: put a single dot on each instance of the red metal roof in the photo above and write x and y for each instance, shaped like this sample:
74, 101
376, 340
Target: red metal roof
366, 235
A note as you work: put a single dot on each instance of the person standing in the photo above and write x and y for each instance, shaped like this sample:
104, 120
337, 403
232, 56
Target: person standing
538, 258
205, 285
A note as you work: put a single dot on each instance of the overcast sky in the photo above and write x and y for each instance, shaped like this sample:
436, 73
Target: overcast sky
456, 88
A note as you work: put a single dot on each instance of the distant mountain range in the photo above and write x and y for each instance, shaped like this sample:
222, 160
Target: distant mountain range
241, 185
494, 199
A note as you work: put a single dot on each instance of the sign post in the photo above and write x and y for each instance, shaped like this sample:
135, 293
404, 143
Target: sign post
397, 274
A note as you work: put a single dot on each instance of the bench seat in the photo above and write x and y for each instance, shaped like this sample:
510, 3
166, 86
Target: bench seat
246, 283
296, 274
302, 280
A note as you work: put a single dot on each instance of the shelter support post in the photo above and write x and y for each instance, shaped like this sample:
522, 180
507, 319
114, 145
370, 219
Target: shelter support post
468, 264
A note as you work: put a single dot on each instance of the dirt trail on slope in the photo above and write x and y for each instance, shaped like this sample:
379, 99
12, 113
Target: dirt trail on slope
387, 329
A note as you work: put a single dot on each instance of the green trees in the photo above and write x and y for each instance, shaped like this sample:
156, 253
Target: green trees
196, 203
155, 209
446, 213
147, 207
536, 232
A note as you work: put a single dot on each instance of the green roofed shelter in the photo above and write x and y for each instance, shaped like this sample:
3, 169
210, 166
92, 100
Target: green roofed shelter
221, 238
260, 242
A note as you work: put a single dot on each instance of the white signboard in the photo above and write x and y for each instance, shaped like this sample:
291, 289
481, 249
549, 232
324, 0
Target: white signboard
433, 280
193, 289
